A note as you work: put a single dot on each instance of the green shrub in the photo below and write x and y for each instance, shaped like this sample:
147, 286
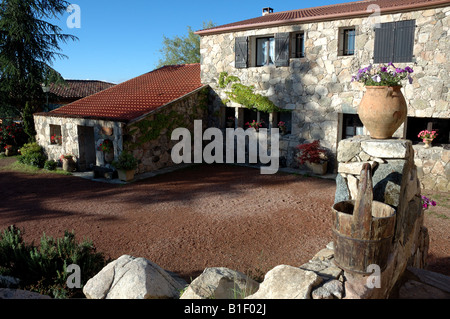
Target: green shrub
50, 165
126, 161
32, 154
43, 269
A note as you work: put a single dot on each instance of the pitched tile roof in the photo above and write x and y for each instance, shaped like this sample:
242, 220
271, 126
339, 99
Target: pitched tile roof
77, 89
336, 11
136, 97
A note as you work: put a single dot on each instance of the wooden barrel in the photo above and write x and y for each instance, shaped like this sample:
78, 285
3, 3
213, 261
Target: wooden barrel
363, 229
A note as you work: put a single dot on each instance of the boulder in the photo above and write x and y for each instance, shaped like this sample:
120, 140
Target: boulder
220, 283
6, 293
287, 282
132, 278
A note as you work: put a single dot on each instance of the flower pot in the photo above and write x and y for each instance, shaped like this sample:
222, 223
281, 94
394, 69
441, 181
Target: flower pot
383, 110
126, 175
109, 157
9, 152
317, 168
68, 165
427, 142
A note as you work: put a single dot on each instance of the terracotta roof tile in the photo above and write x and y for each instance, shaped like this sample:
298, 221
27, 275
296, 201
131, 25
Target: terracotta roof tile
349, 9
138, 96
76, 89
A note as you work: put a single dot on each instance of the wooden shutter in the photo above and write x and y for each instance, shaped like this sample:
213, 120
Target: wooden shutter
241, 52
282, 49
384, 43
404, 41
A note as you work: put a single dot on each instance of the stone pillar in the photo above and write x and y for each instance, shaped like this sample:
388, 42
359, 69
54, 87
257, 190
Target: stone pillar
395, 183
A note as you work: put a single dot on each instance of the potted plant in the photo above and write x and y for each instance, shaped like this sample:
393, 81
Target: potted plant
383, 108
68, 162
427, 137
126, 166
314, 157
9, 150
255, 125
282, 127
107, 147
56, 140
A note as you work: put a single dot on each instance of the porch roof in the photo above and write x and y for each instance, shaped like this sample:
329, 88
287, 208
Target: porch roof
324, 13
134, 98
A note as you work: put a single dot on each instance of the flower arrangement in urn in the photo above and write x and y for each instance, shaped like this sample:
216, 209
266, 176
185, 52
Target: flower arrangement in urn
383, 108
313, 156
427, 137
282, 127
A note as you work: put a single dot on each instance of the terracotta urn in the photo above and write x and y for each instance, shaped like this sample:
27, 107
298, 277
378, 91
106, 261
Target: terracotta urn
383, 110
428, 142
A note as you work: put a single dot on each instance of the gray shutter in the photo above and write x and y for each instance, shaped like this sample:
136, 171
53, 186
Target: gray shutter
384, 43
404, 41
282, 49
241, 52
341, 41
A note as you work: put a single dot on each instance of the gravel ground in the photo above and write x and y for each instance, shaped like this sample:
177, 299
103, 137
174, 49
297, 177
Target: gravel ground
191, 219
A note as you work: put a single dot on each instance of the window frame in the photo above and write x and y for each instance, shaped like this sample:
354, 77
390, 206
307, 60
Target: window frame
299, 51
55, 130
270, 48
343, 41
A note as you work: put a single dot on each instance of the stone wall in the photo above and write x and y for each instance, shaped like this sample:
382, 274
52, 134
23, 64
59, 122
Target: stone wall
149, 139
70, 135
395, 182
318, 89
433, 167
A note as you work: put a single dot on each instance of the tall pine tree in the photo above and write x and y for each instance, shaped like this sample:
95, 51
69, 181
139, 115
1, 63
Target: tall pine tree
28, 46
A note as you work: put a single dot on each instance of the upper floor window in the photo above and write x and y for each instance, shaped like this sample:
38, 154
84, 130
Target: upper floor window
299, 49
265, 51
394, 42
347, 41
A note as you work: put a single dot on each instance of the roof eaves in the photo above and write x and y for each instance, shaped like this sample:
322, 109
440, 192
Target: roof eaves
318, 18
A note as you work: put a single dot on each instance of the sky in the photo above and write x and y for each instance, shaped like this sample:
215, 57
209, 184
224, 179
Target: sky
119, 40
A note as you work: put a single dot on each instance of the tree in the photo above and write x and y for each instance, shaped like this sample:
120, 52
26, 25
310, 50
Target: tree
182, 50
28, 46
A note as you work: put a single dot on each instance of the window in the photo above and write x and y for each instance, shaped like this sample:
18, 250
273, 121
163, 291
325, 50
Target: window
394, 42
347, 41
352, 126
265, 51
299, 45
417, 124
286, 117
55, 135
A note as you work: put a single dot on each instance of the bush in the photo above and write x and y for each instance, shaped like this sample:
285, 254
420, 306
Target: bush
32, 154
126, 161
50, 165
43, 269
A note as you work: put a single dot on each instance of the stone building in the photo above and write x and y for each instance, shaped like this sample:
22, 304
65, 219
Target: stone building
136, 116
303, 61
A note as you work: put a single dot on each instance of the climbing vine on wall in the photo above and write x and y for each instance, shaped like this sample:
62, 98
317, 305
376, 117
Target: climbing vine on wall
151, 128
245, 94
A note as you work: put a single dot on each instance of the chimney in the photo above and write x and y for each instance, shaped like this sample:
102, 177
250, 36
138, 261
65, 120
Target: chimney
267, 11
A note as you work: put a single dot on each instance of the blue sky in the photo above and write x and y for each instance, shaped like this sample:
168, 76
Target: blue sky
119, 40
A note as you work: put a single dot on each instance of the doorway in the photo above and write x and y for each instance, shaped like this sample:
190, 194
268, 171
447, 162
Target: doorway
86, 144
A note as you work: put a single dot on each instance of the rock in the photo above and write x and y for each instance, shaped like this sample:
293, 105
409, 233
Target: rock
330, 290
220, 283
287, 282
342, 192
347, 150
387, 148
132, 278
6, 293
354, 168
9, 282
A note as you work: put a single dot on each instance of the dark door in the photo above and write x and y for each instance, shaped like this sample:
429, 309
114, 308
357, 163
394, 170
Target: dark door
86, 143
